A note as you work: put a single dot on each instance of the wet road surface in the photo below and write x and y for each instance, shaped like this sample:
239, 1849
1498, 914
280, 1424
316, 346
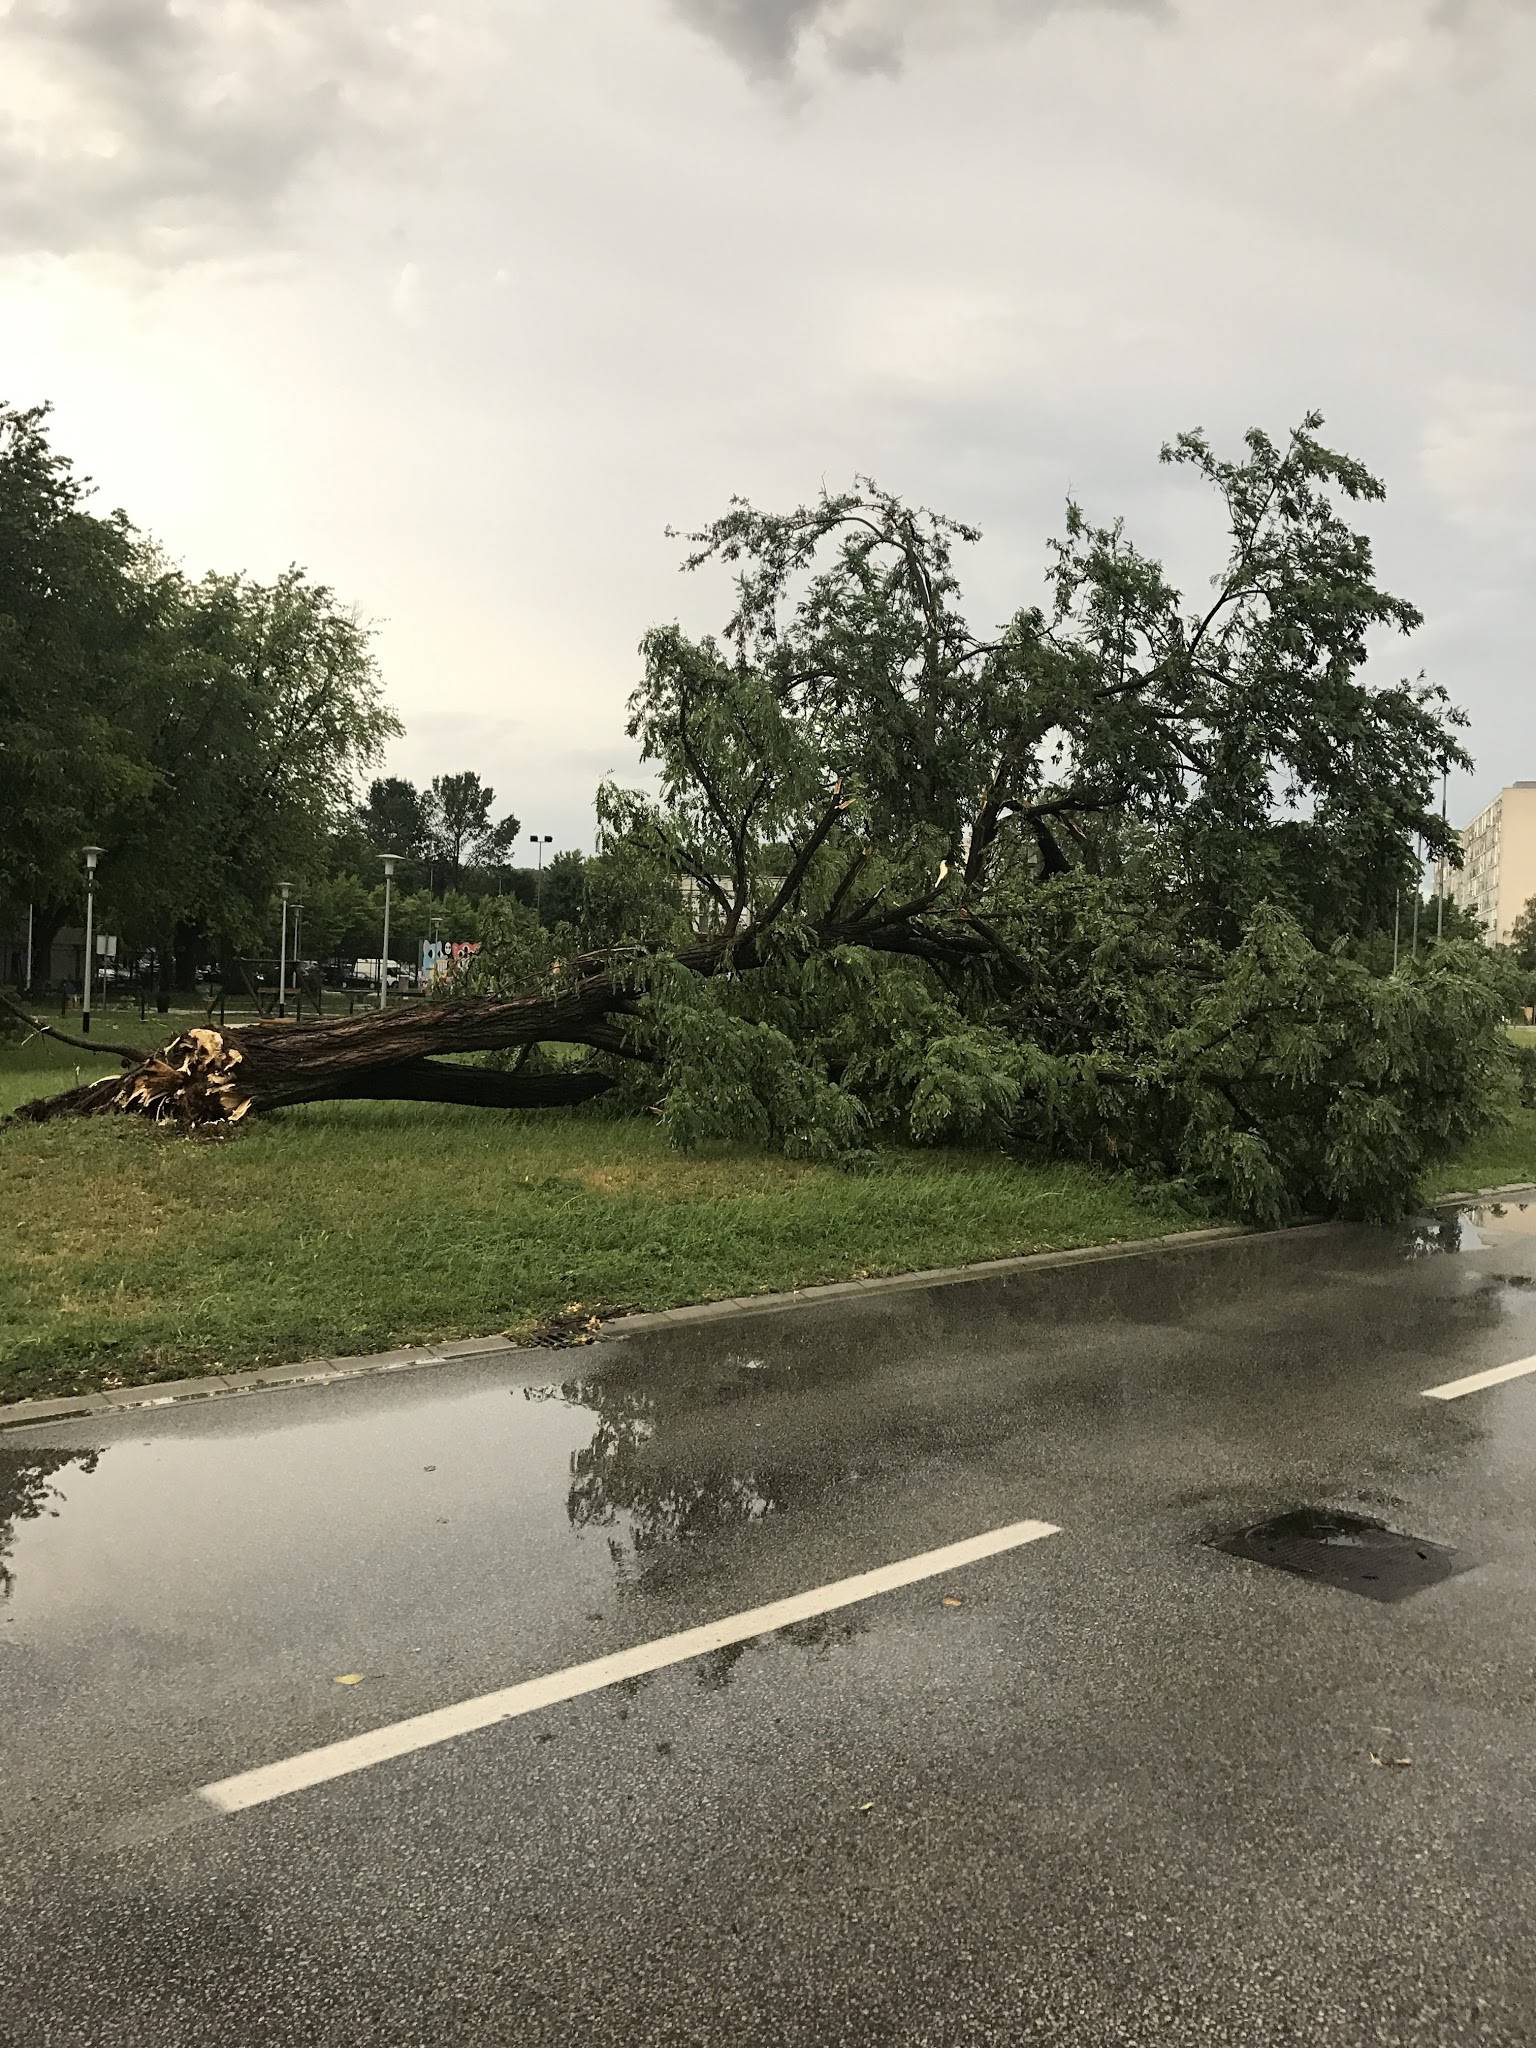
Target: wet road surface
1107, 1785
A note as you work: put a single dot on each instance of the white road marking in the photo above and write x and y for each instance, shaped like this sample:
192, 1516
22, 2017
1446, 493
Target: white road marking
401, 1738
1453, 1390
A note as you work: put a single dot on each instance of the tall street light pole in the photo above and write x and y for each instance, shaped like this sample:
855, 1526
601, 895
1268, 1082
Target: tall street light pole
540, 840
389, 860
282, 955
92, 855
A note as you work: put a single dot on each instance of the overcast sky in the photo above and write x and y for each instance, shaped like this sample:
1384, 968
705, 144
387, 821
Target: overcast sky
461, 306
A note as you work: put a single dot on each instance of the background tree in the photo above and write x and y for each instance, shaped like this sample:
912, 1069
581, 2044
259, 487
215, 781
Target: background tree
563, 899
459, 811
341, 923
81, 605
1522, 939
266, 702
394, 817
208, 734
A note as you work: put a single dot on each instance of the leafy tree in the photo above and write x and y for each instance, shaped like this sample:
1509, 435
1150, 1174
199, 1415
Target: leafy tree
394, 817
339, 919
81, 605
564, 892
413, 915
266, 701
208, 734
495, 846
1522, 939
1019, 864
461, 826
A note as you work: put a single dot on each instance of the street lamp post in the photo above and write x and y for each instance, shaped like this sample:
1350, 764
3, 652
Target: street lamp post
389, 860
540, 841
282, 954
298, 957
92, 855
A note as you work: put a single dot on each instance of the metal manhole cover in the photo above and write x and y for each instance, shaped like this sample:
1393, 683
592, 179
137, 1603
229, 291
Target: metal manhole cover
1352, 1552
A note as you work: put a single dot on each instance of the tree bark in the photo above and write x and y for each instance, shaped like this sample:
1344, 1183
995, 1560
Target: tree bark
189, 946
476, 1087
48, 920
207, 1077
420, 1080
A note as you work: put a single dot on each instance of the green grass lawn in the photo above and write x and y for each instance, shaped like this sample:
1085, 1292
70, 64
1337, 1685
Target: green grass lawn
133, 1254
1503, 1157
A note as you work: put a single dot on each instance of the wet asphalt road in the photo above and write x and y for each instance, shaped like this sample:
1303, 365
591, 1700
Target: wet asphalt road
1122, 1792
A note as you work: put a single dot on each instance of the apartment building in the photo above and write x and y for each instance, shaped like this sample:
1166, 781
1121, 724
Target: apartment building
1498, 873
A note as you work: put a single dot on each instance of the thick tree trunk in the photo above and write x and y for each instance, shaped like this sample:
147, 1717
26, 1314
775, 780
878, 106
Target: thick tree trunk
409, 1081
48, 920
477, 1087
209, 1077
190, 946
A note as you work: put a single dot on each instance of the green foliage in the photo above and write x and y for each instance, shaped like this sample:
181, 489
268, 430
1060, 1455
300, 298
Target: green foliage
1113, 879
459, 828
394, 818
562, 898
81, 613
206, 733
730, 1075
340, 920
517, 952
1522, 939
265, 702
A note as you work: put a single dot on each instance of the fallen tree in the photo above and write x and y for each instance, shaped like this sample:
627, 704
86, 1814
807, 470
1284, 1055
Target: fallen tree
1107, 879
210, 1077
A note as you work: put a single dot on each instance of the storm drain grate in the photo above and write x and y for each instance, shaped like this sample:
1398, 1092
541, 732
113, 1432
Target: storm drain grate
1352, 1552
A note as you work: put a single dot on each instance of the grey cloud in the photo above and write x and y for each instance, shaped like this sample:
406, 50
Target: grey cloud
166, 131
1461, 14
763, 35
768, 38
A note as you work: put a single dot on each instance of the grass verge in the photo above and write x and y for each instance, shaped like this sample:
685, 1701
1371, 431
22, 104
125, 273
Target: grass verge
1504, 1156
129, 1255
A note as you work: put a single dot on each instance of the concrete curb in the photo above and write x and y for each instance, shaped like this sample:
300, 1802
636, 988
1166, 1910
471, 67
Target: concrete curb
324, 1372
